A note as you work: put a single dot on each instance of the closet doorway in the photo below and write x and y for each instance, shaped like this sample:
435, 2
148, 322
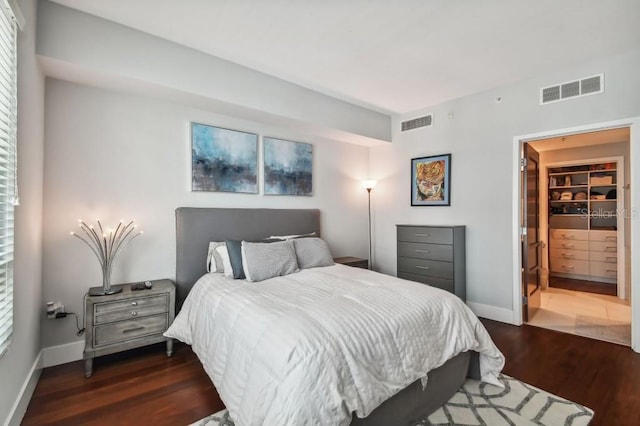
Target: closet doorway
584, 236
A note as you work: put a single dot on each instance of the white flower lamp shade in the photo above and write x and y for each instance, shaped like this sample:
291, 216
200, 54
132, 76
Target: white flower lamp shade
369, 184
106, 244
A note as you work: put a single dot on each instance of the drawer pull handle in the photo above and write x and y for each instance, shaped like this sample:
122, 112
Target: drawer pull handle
131, 330
568, 237
611, 270
568, 256
423, 235
422, 267
134, 303
422, 251
134, 314
610, 248
567, 245
568, 267
611, 238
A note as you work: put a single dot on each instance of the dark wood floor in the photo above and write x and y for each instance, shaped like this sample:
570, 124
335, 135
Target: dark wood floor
582, 285
145, 387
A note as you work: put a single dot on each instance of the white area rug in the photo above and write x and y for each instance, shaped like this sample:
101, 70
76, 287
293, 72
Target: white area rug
483, 404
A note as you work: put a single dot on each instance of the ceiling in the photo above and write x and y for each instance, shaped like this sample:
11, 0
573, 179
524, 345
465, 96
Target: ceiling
391, 56
602, 137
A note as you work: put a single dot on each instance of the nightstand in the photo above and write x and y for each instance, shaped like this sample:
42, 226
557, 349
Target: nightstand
356, 262
128, 320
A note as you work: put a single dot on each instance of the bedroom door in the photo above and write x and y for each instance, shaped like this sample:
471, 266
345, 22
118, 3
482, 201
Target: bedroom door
530, 233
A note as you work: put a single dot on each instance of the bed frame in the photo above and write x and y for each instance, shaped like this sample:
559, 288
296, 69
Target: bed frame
196, 227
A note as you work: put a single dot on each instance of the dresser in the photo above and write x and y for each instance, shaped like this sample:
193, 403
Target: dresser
356, 262
433, 255
127, 320
584, 254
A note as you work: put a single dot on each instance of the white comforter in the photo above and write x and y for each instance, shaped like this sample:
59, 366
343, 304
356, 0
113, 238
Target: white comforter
314, 346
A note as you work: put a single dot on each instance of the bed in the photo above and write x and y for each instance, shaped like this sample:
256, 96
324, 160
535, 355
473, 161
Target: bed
215, 344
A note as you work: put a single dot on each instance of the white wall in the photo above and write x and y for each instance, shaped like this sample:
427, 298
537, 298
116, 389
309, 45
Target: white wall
480, 138
111, 155
19, 368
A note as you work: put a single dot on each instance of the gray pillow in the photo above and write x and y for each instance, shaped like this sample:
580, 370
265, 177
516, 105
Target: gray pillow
267, 260
312, 253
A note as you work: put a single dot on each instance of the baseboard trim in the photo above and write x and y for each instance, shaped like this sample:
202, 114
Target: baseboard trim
26, 391
492, 312
62, 354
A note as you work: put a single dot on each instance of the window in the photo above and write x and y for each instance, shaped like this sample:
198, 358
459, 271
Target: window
8, 124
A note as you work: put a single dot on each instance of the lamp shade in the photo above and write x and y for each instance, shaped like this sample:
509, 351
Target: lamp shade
369, 184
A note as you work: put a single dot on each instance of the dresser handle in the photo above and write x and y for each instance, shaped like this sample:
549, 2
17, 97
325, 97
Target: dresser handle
611, 238
134, 314
422, 251
423, 235
610, 248
568, 237
134, 303
131, 330
611, 270
611, 259
568, 267
568, 256
568, 245
422, 267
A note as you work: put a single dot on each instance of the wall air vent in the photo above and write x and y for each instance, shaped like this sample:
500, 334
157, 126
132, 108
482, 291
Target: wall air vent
415, 123
572, 89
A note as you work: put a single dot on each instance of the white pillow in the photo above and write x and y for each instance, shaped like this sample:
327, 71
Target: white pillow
224, 255
214, 261
291, 237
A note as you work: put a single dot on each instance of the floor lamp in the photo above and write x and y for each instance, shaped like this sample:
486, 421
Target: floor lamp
369, 185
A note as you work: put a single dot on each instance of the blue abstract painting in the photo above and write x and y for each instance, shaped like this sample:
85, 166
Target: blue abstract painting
223, 160
288, 167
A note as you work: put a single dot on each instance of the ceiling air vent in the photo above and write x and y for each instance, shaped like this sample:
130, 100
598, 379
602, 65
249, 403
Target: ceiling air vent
425, 121
572, 89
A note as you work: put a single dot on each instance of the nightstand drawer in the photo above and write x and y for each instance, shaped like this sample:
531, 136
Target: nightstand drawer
432, 268
131, 312
423, 234
131, 329
132, 303
426, 251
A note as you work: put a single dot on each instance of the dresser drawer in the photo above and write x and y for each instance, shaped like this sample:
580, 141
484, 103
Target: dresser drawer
127, 304
131, 329
432, 268
570, 234
603, 256
441, 283
603, 269
569, 254
426, 251
608, 236
580, 267
603, 246
569, 245
131, 312
423, 234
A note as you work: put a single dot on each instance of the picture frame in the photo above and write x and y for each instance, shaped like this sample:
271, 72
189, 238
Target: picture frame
288, 167
431, 180
223, 160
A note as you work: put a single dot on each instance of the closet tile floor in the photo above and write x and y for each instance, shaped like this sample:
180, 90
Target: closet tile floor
591, 315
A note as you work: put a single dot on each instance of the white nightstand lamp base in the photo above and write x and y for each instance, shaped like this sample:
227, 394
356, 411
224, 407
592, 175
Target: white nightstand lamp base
100, 291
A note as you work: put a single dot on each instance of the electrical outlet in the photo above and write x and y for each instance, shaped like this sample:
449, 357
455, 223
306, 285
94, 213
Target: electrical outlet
54, 308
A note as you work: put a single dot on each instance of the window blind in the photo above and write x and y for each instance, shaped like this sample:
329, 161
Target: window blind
8, 125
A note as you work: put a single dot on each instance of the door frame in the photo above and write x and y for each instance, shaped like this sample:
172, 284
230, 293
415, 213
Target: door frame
634, 196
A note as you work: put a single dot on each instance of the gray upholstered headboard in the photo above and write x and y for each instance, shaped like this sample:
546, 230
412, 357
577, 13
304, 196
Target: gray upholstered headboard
196, 227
